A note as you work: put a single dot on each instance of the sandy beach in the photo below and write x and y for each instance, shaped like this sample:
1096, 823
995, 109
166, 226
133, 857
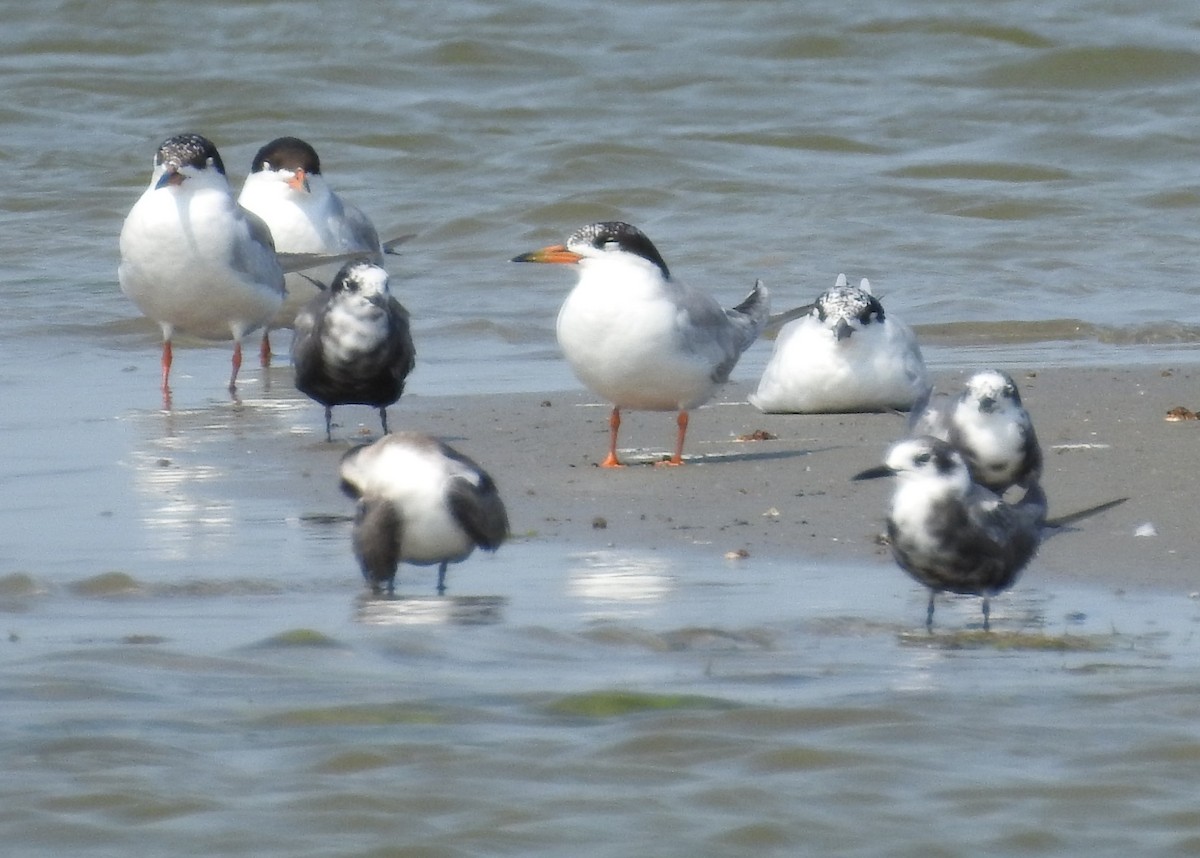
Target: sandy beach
1104, 433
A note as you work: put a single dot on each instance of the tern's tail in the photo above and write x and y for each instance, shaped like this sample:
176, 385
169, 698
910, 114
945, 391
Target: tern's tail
750, 317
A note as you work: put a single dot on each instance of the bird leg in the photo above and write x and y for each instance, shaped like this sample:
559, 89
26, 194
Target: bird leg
929, 613
987, 614
614, 424
441, 585
677, 459
383, 418
264, 350
328, 422
167, 357
237, 365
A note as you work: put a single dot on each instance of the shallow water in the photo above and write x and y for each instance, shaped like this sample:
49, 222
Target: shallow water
190, 666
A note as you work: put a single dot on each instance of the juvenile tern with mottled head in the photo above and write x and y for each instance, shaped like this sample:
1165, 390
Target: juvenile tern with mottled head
988, 424
949, 532
844, 356
352, 344
639, 338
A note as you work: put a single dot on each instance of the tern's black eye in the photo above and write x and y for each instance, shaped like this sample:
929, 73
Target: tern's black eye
922, 458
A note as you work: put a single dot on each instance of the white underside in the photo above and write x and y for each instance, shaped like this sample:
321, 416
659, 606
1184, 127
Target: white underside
415, 481
189, 261
810, 371
630, 342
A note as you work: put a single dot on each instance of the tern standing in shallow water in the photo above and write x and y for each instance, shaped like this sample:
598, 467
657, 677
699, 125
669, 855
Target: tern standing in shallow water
192, 259
988, 424
845, 355
639, 338
949, 532
422, 502
287, 189
352, 344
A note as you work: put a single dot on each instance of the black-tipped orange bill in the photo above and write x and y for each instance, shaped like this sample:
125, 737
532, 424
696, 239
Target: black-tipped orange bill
554, 253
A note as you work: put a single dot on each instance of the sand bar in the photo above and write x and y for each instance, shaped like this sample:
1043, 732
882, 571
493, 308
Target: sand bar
1103, 430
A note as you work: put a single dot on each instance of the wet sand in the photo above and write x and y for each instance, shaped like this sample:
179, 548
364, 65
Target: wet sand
1103, 432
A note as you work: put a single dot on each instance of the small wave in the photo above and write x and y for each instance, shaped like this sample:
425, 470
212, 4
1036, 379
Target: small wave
982, 171
1012, 35
1097, 67
1057, 330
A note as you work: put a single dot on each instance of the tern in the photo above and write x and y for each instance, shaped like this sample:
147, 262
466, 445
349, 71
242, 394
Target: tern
844, 356
192, 259
419, 501
639, 338
352, 344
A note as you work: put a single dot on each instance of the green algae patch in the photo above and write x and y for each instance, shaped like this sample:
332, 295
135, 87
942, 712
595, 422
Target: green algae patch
613, 704
1003, 640
107, 585
365, 715
302, 638
18, 585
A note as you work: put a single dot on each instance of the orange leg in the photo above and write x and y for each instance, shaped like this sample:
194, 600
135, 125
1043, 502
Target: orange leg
614, 424
167, 357
677, 459
166, 375
237, 365
264, 350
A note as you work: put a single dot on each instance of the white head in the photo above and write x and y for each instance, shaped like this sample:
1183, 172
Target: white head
362, 279
991, 391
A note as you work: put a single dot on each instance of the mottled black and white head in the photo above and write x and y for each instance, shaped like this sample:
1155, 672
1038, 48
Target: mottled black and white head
845, 309
992, 391
923, 458
186, 156
362, 279
291, 159
598, 241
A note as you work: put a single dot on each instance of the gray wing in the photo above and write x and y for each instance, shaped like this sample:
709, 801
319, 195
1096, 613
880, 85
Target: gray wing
477, 506
391, 245
361, 233
255, 256
930, 415
402, 356
1014, 528
722, 335
306, 337
376, 539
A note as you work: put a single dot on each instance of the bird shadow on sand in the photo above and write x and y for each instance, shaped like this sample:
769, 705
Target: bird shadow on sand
635, 458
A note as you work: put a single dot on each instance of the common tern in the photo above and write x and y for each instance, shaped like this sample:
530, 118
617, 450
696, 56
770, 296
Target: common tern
639, 338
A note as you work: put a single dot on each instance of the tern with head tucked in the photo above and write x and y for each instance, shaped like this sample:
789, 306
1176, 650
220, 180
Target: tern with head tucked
988, 424
419, 501
950, 533
287, 189
192, 259
639, 338
844, 356
352, 344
